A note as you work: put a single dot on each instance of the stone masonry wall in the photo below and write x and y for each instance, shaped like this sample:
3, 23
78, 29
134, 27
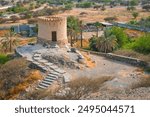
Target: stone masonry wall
46, 26
129, 60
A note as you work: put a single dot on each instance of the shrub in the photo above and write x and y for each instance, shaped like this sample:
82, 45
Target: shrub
131, 8
121, 36
142, 44
110, 19
144, 82
17, 9
4, 58
133, 22
11, 74
68, 6
135, 14
76, 89
83, 86
93, 43
84, 5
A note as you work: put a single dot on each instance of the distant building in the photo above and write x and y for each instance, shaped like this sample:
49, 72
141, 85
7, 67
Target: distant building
52, 30
28, 30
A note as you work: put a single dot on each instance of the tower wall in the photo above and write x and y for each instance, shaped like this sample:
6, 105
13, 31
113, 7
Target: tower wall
46, 25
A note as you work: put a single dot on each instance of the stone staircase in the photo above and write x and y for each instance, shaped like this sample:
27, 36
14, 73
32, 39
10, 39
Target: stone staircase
53, 72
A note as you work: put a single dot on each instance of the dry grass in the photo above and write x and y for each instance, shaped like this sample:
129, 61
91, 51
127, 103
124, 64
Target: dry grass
92, 15
29, 80
134, 33
89, 62
144, 82
26, 41
3, 32
85, 43
15, 77
74, 90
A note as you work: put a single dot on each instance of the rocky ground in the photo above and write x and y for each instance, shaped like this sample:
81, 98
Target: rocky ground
125, 76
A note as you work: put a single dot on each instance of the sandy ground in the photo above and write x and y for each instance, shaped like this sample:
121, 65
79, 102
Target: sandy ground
92, 15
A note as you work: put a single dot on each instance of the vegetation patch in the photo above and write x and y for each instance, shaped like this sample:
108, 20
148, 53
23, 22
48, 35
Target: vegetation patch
4, 58
144, 82
12, 73
76, 89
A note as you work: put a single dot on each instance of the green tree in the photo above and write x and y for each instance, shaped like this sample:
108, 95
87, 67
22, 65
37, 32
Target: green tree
107, 42
142, 44
135, 14
68, 6
72, 27
98, 26
81, 25
121, 36
8, 42
92, 43
134, 2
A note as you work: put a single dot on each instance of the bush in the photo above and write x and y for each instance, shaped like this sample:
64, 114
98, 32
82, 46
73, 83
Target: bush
84, 5
93, 43
11, 74
68, 6
17, 9
76, 89
121, 36
4, 58
110, 19
133, 22
142, 44
144, 82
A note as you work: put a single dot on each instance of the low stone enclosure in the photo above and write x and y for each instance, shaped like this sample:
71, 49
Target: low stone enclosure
124, 59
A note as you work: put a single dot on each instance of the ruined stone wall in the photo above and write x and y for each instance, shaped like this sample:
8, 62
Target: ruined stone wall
49, 24
124, 59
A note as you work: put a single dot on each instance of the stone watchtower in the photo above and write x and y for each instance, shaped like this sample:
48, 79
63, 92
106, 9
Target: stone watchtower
52, 30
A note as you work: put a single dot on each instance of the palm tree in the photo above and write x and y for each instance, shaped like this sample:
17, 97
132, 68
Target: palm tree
107, 42
73, 27
8, 42
97, 25
81, 32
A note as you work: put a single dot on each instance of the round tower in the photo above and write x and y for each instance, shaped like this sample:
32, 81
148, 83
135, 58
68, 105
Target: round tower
52, 30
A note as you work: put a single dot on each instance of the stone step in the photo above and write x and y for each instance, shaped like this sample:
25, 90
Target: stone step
44, 85
41, 87
55, 73
53, 67
47, 82
52, 78
52, 75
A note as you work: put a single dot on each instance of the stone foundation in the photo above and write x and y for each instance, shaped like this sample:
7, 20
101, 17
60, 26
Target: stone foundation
61, 43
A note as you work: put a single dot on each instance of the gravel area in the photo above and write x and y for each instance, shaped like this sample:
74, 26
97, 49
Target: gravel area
120, 87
